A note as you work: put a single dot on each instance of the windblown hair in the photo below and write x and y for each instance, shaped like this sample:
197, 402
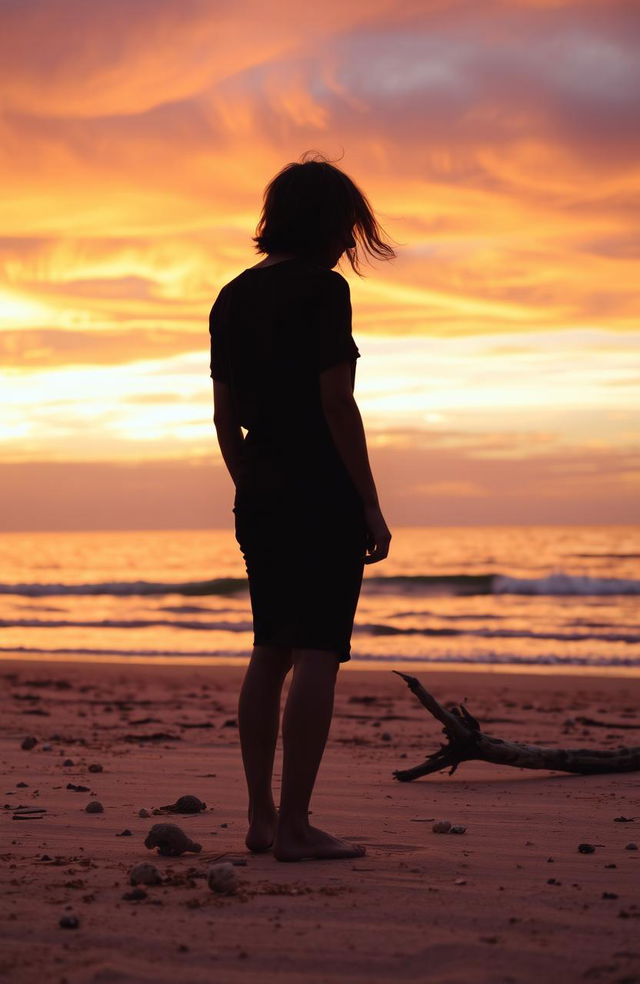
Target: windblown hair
309, 204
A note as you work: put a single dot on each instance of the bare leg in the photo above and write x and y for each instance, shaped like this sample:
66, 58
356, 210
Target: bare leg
305, 728
258, 721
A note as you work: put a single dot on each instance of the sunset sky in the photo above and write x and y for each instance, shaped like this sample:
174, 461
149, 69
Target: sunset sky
499, 145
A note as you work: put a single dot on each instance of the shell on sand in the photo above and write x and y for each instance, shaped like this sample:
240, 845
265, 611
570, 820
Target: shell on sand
185, 804
222, 879
441, 827
94, 807
145, 873
170, 840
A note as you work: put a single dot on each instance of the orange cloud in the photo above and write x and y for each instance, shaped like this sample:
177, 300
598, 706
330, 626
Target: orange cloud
498, 143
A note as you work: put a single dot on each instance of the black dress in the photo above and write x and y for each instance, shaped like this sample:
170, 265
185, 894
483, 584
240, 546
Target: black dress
299, 519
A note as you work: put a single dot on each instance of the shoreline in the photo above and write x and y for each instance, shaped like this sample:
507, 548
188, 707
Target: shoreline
554, 670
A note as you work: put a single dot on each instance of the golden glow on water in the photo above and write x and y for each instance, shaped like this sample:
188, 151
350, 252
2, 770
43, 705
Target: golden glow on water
516, 600
354, 664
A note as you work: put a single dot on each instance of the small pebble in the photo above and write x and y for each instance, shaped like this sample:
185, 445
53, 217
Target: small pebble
385, 736
221, 878
170, 840
586, 848
145, 874
68, 762
143, 813
47, 748
609, 895
457, 828
125, 833
631, 846
136, 895
22, 785
69, 922
186, 804
94, 807
441, 827
95, 767
29, 743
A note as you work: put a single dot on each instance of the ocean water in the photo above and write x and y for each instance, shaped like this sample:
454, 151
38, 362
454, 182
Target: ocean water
497, 596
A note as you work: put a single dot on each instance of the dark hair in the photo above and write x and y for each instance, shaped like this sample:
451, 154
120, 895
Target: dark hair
310, 203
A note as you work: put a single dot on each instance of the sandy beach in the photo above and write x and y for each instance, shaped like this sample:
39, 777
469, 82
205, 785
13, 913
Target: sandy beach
510, 901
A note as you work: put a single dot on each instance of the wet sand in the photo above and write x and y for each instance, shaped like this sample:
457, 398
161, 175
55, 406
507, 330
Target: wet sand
510, 901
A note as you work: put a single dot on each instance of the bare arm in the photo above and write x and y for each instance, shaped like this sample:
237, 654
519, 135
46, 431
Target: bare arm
345, 423
228, 428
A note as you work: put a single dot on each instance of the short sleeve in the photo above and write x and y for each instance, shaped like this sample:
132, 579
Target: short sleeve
218, 363
331, 338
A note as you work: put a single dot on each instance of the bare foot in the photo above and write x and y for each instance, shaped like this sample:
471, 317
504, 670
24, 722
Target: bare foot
261, 833
316, 844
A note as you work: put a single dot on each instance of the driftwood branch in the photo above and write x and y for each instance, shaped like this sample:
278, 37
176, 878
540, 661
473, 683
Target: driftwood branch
465, 742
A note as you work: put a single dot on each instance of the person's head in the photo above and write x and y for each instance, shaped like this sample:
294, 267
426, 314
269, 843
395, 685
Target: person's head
314, 210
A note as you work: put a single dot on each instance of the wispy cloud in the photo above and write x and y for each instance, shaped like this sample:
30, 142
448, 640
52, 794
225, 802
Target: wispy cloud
498, 143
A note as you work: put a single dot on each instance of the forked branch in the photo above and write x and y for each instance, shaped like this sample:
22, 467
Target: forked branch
466, 741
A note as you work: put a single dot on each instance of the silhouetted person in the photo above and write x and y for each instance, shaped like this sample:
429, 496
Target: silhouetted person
307, 516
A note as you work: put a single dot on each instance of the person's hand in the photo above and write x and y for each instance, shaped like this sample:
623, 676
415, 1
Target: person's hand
378, 535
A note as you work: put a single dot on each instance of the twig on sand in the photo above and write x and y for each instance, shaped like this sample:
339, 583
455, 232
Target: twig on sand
466, 742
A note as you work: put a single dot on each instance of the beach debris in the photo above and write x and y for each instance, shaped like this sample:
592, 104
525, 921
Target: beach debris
77, 789
441, 827
22, 785
457, 828
143, 813
609, 895
631, 846
47, 748
185, 804
95, 767
385, 736
95, 806
145, 873
170, 840
136, 895
222, 879
68, 762
69, 922
125, 833
28, 743
460, 881
466, 741
625, 819
586, 848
